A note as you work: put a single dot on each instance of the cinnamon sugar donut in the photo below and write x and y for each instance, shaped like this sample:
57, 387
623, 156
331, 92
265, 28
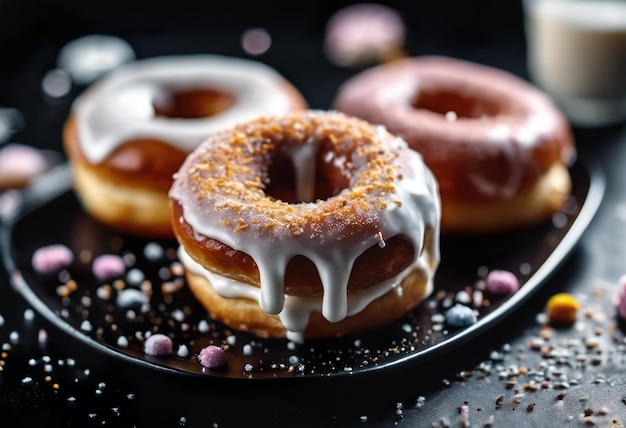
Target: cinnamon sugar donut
498, 147
310, 224
130, 132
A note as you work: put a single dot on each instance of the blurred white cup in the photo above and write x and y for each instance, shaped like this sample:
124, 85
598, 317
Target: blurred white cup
576, 52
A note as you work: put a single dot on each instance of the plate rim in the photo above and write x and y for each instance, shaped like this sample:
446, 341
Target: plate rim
59, 181
558, 256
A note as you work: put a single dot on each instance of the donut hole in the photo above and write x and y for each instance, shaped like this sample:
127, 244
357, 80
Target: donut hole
286, 168
193, 104
466, 106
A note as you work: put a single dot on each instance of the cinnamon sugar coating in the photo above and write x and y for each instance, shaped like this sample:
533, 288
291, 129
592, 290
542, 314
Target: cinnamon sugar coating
236, 162
221, 202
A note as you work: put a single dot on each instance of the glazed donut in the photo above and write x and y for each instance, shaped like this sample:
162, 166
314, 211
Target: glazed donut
498, 147
130, 132
310, 224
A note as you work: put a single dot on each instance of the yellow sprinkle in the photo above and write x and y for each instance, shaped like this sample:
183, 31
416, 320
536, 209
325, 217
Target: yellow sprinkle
562, 309
63, 291
71, 285
55, 386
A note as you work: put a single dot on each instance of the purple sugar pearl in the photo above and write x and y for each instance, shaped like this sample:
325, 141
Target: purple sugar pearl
52, 259
108, 266
158, 344
20, 164
212, 356
502, 282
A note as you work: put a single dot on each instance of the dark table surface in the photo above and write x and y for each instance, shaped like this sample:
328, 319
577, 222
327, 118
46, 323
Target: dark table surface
506, 376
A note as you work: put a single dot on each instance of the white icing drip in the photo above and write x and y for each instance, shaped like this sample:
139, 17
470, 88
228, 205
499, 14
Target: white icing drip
413, 208
271, 273
297, 310
381, 240
305, 170
120, 107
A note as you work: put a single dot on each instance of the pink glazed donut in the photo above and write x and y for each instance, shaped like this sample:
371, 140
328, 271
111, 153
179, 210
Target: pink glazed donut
498, 147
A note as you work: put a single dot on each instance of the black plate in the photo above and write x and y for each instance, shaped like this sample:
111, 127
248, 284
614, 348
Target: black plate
50, 213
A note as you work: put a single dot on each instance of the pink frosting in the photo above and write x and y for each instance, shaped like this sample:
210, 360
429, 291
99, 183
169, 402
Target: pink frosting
108, 266
213, 356
52, 259
502, 282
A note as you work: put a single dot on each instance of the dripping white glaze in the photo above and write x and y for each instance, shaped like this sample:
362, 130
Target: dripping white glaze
121, 106
296, 310
411, 209
305, 171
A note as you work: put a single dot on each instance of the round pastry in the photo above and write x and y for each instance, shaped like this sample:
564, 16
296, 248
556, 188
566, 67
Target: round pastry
498, 147
130, 132
311, 224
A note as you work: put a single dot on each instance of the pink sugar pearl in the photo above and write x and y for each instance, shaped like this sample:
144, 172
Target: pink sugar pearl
621, 304
20, 164
52, 259
502, 282
363, 33
158, 344
212, 356
108, 266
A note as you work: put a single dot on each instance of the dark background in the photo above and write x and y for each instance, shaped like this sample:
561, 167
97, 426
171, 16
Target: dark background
112, 393
32, 32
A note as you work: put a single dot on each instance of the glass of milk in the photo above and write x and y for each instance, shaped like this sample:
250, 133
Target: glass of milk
576, 51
